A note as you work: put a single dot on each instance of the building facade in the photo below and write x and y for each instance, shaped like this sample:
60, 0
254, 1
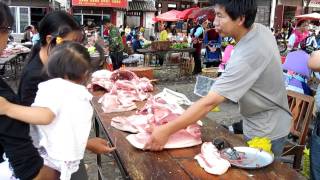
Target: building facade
140, 13
29, 12
95, 11
285, 11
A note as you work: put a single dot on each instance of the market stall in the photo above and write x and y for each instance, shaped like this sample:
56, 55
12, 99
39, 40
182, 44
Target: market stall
176, 163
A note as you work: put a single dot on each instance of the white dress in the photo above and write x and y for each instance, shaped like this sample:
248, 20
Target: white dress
62, 142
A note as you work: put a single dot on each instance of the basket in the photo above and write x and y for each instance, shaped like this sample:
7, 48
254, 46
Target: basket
160, 45
142, 71
186, 66
210, 72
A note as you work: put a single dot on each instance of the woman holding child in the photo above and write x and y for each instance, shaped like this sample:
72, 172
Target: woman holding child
55, 28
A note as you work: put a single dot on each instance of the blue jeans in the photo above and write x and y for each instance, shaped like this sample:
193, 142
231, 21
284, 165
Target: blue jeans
315, 151
277, 146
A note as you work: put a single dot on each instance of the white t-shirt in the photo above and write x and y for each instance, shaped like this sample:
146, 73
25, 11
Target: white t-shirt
65, 138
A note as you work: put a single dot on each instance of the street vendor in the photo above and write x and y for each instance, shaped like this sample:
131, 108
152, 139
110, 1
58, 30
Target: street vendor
300, 33
197, 34
253, 78
115, 44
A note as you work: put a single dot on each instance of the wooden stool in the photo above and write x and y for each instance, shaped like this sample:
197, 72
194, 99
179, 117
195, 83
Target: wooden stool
186, 66
210, 72
142, 71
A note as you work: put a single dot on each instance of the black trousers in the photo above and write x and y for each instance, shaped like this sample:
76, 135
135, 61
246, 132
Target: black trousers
197, 63
116, 58
315, 150
212, 64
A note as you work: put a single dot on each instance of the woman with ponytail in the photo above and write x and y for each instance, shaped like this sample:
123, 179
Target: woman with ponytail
55, 28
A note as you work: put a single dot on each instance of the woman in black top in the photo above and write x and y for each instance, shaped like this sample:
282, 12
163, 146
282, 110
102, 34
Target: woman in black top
54, 28
15, 141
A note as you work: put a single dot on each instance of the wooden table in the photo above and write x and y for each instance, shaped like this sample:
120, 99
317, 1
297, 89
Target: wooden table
14, 61
177, 163
183, 64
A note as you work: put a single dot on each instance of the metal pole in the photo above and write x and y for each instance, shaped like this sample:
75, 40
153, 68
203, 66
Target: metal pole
272, 14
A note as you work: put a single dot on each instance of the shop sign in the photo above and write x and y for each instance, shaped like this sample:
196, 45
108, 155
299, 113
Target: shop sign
101, 3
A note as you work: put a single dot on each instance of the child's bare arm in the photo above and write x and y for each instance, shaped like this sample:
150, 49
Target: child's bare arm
31, 115
99, 146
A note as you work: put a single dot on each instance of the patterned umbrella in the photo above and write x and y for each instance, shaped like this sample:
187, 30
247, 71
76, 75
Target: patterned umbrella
208, 11
312, 16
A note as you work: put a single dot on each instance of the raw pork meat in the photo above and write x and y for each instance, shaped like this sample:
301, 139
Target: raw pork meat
110, 103
157, 112
180, 139
123, 74
133, 124
210, 160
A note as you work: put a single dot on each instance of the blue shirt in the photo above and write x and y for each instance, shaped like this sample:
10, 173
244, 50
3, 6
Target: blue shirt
136, 45
35, 38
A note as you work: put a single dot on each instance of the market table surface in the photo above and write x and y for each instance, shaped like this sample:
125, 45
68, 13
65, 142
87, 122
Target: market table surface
176, 163
144, 51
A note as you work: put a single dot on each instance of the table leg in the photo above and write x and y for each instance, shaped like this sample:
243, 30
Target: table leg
97, 131
115, 154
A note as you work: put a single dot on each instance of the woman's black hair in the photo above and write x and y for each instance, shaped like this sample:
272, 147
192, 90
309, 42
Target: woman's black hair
6, 18
56, 24
69, 60
240, 8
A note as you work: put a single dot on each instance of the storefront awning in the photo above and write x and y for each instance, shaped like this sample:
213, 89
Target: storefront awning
147, 6
101, 3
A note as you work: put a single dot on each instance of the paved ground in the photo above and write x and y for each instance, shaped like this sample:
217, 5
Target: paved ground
169, 79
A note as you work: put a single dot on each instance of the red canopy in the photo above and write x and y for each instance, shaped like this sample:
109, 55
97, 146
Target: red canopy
185, 13
168, 16
208, 11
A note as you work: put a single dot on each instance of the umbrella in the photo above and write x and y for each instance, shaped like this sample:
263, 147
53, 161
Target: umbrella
168, 16
208, 11
185, 13
297, 61
312, 16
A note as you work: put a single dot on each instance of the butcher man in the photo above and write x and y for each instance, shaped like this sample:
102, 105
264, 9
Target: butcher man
252, 78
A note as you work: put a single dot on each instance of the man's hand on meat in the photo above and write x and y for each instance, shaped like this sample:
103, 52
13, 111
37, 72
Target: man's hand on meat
198, 110
158, 138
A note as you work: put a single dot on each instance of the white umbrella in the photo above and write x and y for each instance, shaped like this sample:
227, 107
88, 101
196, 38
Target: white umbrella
312, 16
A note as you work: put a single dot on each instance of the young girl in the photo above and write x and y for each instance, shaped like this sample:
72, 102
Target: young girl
61, 110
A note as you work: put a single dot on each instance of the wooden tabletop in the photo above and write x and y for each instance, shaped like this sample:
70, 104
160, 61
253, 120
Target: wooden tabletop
179, 163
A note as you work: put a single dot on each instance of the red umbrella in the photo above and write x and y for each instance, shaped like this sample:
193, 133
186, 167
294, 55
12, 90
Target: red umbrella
168, 16
208, 11
185, 13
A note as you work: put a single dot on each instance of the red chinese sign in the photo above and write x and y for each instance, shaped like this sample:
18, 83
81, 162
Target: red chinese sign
101, 3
